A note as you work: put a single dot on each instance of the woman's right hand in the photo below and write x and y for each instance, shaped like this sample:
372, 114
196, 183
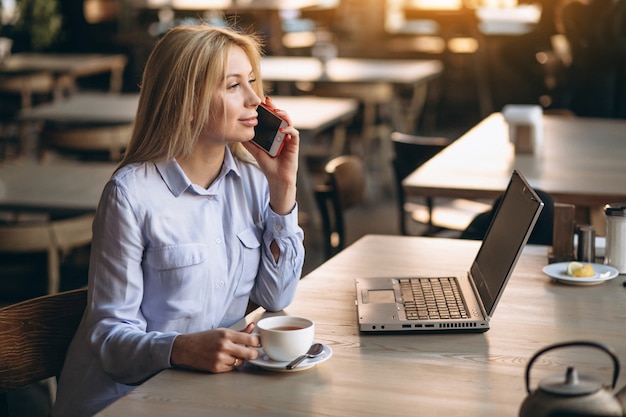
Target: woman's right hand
218, 350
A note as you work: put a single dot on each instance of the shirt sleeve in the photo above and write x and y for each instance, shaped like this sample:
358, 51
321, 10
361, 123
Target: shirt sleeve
277, 281
118, 336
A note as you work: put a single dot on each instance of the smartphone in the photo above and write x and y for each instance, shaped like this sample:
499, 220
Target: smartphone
267, 135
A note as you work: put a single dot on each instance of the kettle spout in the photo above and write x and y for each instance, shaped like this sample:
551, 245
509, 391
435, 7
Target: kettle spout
621, 397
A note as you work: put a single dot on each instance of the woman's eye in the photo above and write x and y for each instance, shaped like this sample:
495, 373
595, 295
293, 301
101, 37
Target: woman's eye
252, 81
233, 86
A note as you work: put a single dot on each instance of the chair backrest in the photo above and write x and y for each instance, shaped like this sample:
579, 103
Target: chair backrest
345, 188
543, 230
34, 337
90, 139
411, 152
27, 86
54, 237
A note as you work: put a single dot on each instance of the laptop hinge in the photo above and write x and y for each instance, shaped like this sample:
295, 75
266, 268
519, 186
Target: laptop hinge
479, 300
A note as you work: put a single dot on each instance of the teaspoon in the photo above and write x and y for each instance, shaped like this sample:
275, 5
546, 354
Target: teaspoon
315, 350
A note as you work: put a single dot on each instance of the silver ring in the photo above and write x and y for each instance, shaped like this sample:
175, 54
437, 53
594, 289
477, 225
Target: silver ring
235, 363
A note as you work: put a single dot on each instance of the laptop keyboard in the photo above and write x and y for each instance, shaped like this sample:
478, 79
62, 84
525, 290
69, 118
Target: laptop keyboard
432, 298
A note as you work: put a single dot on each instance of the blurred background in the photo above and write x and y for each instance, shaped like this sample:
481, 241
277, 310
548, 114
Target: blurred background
567, 56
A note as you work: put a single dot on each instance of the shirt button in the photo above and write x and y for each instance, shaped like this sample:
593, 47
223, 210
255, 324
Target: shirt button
278, 227
218, 240
221, 284
210, 197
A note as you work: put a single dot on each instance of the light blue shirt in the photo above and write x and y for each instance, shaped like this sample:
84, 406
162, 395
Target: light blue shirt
171, 257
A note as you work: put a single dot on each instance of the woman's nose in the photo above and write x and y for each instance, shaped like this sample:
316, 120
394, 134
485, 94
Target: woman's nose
254, 100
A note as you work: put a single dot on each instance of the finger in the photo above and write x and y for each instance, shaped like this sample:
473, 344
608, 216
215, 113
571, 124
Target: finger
283, 115
249, 328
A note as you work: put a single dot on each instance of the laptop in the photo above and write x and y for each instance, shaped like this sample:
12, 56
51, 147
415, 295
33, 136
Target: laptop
466, 303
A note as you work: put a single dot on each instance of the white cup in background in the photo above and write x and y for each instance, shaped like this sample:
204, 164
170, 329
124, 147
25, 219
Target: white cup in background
284, 338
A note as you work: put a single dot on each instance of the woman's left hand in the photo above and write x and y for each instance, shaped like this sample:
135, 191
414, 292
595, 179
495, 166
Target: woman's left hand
281, 171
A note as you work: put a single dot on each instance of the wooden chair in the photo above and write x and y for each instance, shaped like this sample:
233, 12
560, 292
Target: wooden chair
110, 140
22, 92
411, 152
34, 337
343, 189
52, 237
27, 86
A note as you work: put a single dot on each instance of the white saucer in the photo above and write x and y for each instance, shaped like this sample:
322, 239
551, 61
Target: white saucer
263, 361
558, 271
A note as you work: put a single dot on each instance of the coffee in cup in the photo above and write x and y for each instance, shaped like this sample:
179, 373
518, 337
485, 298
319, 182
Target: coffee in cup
284, 338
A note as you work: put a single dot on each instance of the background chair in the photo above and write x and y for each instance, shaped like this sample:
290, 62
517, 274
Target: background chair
344, 188
542, 232
411, 152
34, 337
55, 237
106, 142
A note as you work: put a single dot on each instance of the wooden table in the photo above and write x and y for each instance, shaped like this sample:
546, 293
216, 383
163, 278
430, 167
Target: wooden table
392, 93
24, 70
89, 122
86, 108
581, 163
310, 115
231, 5
373, 81
56, 188
313, 115
399, 375
265, 13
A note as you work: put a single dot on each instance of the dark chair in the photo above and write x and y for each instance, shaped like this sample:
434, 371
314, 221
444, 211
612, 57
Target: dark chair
343, 189
34, 337
594, 82
411, 152
541, 234
56, 238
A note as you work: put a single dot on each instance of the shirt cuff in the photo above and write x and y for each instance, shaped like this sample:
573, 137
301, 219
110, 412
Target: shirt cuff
283, 225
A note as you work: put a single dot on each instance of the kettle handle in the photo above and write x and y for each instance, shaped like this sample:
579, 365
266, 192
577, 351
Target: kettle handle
609, 351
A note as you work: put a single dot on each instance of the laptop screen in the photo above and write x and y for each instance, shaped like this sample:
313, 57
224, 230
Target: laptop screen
507, 234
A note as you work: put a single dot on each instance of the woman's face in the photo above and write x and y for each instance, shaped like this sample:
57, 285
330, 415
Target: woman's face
240, 102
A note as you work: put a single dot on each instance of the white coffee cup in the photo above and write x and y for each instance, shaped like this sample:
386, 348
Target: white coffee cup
284, 338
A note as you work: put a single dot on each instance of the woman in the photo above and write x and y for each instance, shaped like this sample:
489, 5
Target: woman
195, 221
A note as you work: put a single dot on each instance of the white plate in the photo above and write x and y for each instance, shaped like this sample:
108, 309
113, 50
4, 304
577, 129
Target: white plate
558, 271
263, 361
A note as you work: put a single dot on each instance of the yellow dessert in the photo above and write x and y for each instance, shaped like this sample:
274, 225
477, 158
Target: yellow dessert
578, 270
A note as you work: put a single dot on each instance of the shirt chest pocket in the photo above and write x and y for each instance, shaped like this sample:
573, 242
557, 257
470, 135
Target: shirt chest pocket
176, 281
249, 260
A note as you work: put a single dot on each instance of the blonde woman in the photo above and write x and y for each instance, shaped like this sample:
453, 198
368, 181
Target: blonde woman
195, 222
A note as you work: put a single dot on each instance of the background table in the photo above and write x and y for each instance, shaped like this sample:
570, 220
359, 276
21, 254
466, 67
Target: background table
64, 187
265, 14
581, 163
384, 81
392, 94
63, 68
86, 108
310, 115
395, 375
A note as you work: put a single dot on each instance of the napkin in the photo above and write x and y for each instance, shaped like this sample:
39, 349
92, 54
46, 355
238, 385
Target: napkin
525, 127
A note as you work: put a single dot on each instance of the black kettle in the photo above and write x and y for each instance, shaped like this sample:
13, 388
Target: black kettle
573, 395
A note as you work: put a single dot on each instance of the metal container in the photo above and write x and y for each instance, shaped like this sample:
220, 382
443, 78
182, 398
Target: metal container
615, 251
586, 251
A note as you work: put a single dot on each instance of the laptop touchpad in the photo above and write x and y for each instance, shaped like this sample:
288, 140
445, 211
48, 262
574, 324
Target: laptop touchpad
378, 296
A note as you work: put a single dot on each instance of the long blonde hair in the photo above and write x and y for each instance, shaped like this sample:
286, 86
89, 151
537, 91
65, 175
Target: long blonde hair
177, 96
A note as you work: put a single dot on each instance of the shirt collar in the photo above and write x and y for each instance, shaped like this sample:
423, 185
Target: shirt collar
176, 180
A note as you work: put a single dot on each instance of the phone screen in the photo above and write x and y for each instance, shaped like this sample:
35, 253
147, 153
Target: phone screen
266, 130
